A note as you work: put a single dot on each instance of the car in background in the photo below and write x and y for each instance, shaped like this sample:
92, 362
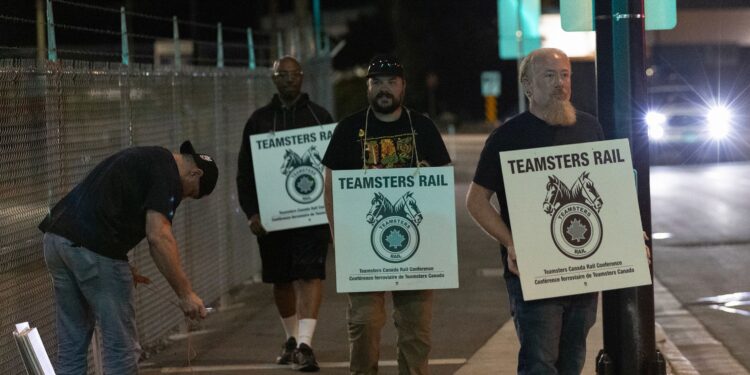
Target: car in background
677, 114
685, 126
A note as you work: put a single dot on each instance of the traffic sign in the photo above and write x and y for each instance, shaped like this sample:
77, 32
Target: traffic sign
578, 15
660, 14
491, 83
518, 27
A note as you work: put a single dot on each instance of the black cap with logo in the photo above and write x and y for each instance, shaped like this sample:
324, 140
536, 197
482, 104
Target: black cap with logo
385, 65
207, 165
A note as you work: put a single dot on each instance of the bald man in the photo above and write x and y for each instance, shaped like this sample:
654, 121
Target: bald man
552, 332
294, 259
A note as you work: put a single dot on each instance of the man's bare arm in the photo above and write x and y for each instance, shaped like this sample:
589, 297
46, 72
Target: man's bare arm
485, 215
163, 248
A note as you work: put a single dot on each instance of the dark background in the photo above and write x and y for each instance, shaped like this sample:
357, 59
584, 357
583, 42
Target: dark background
454, 41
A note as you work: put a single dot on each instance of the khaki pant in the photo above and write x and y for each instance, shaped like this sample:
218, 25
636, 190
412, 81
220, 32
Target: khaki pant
412, 316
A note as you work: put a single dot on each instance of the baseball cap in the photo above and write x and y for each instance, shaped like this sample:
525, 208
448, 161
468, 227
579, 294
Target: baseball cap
207, 165
385, 65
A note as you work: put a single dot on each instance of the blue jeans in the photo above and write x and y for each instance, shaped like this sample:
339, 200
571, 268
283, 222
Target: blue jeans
552, 331
92, 289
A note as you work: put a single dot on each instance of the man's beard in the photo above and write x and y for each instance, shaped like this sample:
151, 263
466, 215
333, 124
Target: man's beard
388, 109
559, 112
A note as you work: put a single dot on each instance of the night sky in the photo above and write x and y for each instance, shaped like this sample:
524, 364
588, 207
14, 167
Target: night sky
453, 40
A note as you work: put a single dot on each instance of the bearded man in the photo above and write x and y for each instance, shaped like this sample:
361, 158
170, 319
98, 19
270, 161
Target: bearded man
385, 135
552, 332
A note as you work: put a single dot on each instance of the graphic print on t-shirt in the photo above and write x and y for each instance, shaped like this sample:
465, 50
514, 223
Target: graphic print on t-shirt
389, 152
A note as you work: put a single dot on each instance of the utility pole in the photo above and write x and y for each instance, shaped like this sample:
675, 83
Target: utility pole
628, 314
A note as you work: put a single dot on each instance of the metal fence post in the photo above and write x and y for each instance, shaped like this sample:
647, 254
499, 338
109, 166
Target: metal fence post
628, 314
124, 37
221, 207
317, 28
124, 83
176, 39
51, 43
177, 130
250, 50
219, 47
279, 45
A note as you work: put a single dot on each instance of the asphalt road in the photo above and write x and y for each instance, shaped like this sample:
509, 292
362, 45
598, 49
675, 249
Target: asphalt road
705, 212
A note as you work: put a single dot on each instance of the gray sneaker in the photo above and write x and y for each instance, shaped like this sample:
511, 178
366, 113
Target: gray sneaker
304, 359
287, 352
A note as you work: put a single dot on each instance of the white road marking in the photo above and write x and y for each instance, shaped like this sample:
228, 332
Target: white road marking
227, 368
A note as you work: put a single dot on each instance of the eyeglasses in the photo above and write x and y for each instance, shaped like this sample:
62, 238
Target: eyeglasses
285, 75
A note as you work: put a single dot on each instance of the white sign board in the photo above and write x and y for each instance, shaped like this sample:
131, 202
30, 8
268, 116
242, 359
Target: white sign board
575, 219
491, 83
289, 176
395, 229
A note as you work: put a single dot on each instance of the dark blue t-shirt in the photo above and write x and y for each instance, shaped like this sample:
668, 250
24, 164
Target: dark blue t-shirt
106, 212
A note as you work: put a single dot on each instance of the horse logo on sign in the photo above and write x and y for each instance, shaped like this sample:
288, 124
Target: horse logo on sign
394, 236
304, 177
576, 227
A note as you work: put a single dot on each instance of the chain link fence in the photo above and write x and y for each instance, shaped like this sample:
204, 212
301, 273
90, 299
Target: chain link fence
59, 120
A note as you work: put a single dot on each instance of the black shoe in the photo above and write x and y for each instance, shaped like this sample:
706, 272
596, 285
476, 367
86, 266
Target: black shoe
287, 352
304, 359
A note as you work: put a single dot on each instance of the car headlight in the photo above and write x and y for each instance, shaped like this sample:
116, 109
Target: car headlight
719, 120
655, 118
655, 132
655, 121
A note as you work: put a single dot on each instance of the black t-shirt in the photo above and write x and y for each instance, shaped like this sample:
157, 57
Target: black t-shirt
523, 132
106, 213
379, 144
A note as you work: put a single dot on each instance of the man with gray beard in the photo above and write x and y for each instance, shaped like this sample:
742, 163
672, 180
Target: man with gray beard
552, 332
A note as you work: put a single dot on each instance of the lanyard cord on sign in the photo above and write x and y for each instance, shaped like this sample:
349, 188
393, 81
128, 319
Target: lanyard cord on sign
273, 130
413, 138
314, 115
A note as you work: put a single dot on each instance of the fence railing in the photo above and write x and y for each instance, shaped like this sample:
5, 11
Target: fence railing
75, 30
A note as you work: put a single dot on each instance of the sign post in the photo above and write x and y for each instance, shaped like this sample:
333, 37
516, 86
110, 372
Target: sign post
518, 29
629, 338
660, 14
491, 86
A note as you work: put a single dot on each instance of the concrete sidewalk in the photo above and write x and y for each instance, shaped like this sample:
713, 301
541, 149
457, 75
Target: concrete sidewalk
496, 356
499, 355
472, 329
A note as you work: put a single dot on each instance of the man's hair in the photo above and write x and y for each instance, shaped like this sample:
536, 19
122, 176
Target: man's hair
528, 63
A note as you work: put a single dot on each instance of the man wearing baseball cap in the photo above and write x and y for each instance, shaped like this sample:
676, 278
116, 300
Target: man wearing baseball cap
385, 135
129, 196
